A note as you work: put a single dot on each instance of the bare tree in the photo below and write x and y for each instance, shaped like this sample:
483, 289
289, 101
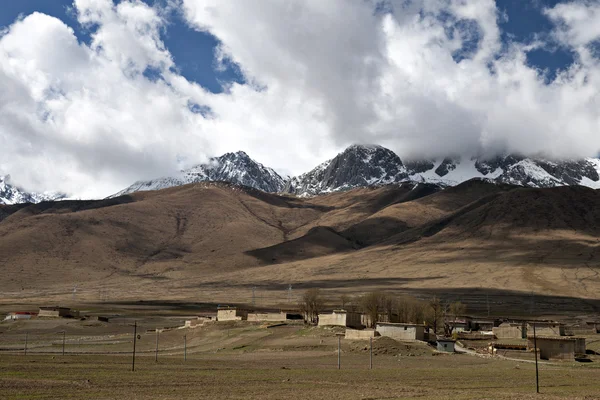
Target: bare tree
311, 304
374, 304
434, 312
451, 313
345, 300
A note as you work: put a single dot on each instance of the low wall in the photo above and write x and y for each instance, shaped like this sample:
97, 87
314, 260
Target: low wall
231, 314
355, 334
332, 319
271, 317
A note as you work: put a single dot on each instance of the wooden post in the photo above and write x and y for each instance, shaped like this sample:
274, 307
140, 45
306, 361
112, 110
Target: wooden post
370, 353
339, 352
537, 379
26, 337
156, 352
134, 342
63, 350
184, 347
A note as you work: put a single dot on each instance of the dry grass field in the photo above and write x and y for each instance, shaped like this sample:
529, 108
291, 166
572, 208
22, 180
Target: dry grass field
259, 376
235, 360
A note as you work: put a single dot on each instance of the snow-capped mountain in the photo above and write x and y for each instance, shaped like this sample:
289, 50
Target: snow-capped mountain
360, 166
236, 168
513, 169
372, 165
10, 194
357, 166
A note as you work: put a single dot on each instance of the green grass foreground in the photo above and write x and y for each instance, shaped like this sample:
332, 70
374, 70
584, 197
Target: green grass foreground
289, 375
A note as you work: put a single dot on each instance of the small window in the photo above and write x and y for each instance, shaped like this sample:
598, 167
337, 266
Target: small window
406, 328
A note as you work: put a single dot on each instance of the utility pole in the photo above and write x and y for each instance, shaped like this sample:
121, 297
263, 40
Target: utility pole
26, 337
184, 347
63, 350
156, 352
487, 300
370, 353
134, 342
537, 379
339, 352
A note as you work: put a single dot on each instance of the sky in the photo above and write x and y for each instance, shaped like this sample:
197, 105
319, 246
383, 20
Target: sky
96, 94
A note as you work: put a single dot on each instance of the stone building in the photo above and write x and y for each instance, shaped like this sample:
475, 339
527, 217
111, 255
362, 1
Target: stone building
546, 328
227, 313
401, 331
557, 347
58, 312
340, 318
446, 345
281, 316
510, 330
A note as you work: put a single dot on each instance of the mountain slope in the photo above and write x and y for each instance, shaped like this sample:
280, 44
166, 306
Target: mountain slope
237, 168
215, 242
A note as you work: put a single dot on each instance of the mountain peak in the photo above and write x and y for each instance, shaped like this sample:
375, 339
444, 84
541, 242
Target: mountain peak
237, 168
354, 147
356, 166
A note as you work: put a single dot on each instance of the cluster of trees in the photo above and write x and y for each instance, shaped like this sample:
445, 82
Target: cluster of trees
379, 306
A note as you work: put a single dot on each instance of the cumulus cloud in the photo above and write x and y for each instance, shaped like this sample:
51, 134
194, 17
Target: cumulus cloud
426, 78
423, 77
85, 119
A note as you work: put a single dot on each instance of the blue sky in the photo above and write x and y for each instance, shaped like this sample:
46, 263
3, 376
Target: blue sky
193, 51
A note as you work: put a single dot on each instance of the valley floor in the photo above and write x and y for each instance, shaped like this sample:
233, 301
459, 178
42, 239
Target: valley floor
234, 360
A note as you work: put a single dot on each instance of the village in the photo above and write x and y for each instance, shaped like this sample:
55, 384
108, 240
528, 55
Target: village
461, 334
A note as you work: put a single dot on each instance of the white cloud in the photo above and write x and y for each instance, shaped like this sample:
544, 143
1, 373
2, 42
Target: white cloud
392, 79
84, 119
578, 22
323, 74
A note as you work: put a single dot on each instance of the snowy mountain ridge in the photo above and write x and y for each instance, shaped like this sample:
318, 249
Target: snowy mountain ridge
374, 165
236, 168
359, 166
10, 194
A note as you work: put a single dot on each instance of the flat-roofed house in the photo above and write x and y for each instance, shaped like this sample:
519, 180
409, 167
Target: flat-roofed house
557, 347
340, 318
510, 330
227, 313
545, 328
58, 312
401, 331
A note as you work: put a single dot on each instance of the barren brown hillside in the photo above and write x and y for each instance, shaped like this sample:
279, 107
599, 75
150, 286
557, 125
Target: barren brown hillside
215, 242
